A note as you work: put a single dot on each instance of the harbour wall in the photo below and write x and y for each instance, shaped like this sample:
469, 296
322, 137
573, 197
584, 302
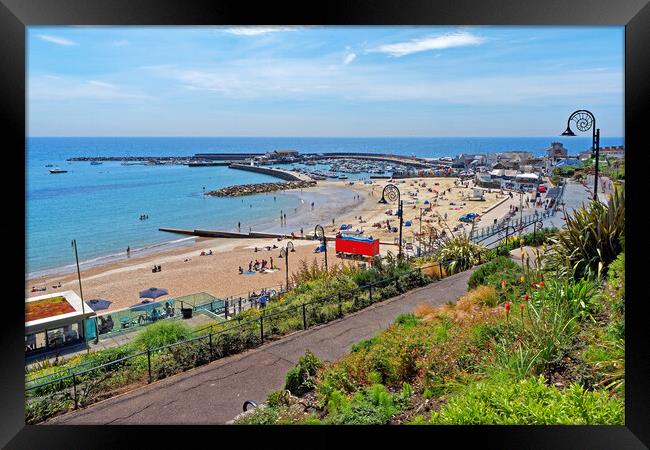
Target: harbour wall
278, 173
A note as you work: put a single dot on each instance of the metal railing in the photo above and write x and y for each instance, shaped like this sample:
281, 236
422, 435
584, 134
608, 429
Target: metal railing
78, 383
526, 220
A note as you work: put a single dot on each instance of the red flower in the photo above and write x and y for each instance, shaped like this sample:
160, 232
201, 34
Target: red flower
526, 297
541, 284
521, 307
507, 306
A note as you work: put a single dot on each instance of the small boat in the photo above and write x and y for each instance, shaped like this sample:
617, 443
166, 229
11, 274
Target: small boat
95, 163
58, 170
49, 165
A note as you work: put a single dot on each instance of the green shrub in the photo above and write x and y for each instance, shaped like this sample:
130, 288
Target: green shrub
262, 415
363, 344
300, 378
278, 399
371, 406
539, 237
162, 333
407, 320
529, 402
591, 239
459, 254
498, 264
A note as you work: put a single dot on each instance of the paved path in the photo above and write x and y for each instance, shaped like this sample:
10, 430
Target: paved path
215, 393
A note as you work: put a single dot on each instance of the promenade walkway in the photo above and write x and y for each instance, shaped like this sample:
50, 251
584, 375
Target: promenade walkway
215, 393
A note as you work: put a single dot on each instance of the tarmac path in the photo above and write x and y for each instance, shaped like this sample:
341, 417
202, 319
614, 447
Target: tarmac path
215, 393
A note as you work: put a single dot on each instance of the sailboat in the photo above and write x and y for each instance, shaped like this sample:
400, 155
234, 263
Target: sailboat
58, 170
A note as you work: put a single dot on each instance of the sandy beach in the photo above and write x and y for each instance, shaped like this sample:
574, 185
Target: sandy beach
184, 271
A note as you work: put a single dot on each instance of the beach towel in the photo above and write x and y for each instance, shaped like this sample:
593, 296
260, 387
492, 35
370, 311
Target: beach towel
249, 273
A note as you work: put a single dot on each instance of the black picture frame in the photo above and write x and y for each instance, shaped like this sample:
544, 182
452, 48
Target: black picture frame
15, 15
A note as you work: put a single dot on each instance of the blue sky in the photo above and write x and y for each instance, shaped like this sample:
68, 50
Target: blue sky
322, 81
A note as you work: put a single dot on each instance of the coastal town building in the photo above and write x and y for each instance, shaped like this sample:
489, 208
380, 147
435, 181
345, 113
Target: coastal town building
467, 160
617, 152
508, 179
54, 321
556, 151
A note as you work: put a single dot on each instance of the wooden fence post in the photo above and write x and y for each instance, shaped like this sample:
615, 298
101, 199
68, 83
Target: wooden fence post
304, 317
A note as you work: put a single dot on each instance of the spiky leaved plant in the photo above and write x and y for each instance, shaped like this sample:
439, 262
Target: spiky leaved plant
460, 253
591, 240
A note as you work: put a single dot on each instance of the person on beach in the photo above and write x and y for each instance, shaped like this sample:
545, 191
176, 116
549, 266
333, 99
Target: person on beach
250, 266
332, 221
271, 262
301, 232
285, 218
238, 226
241, 271
128, 251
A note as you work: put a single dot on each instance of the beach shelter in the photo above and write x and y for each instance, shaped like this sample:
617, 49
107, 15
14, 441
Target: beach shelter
153, 292
98, 303
426, 202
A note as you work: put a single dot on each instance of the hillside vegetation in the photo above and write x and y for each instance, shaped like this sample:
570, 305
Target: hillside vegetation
525, 345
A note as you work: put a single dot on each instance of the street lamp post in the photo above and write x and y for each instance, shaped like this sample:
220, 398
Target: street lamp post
319, 231
284, 253
81, 292
585, 121
420, 243
392, 193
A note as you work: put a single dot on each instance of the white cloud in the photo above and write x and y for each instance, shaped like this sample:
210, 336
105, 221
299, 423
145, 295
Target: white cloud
57, 40
349, 58
48, 87
449, 40
120, 43
256, 30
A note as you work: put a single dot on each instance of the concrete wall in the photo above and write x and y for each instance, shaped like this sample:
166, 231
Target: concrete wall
285, 175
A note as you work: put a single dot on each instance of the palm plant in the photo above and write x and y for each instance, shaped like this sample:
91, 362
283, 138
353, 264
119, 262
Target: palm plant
460, 253
591, 239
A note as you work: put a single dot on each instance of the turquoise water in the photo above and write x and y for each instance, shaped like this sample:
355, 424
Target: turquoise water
100, 205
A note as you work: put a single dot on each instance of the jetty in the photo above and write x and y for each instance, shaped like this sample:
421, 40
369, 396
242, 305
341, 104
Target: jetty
249, 235
284, 174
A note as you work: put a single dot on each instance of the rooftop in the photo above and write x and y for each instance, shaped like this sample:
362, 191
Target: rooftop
54, 310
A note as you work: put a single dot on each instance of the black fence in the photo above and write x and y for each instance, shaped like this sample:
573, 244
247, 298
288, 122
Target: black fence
84, 385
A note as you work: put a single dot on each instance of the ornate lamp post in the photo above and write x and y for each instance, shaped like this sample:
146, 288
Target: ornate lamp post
319, 232
586, 121
392, 193
284, 253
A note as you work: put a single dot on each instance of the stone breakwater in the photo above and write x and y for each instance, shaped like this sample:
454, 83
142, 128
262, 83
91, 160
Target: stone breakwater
258, 188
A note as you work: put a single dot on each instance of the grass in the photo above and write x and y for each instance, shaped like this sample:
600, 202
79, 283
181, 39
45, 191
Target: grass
536, 350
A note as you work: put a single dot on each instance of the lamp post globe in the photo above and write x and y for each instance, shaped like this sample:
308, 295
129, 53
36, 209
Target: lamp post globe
392, 193
584, 121
319, 232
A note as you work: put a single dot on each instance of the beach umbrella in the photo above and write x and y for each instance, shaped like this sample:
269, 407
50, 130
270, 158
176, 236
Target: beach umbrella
145, 305
153, 293
98, 303
426, 202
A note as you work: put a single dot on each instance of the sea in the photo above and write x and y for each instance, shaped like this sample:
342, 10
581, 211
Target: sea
100, 206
